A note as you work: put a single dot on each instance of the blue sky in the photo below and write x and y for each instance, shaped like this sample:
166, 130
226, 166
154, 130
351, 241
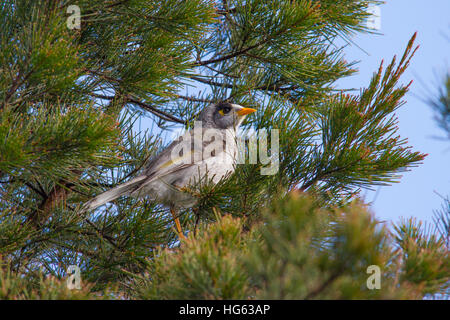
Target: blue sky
415, 195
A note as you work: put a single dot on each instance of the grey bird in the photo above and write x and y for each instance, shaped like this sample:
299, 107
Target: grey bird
208, 151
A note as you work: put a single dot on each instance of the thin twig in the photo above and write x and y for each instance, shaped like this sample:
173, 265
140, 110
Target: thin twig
163, 115
231, 55
323, 286
17, 82
100, 232
193, 99
212, 82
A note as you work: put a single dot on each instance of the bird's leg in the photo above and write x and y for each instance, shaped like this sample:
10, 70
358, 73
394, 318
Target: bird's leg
177, 223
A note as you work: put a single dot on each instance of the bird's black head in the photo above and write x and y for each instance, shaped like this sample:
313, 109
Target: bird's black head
224, 115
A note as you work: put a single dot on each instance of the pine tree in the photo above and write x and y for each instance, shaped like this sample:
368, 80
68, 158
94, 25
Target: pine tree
71, 100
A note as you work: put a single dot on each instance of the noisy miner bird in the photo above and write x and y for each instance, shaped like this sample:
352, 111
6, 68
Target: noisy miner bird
208, 151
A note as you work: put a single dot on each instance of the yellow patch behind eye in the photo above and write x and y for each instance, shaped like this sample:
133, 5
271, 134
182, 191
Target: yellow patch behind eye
221, 112
177, 160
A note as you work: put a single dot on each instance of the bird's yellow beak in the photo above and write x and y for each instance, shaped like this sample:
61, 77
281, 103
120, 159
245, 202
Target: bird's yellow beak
245, 111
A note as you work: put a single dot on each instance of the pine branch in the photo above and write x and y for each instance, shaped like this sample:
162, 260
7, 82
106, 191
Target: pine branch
161, 114
324, 174
194, 99
212, 82
16, 83
231, 55
258, 44
38, 191
60, 191
102, 234
333, 277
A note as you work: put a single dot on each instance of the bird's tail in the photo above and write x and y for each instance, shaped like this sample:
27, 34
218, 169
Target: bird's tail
120, 190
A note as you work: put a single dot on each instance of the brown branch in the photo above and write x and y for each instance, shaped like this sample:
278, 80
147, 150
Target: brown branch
38, 191
270, 87
324, 285
17, 82
317, 178
163, 115
101, 234
212, 82
231, 55
322, 175
101, 96
107, 6
114, 4
193, 99
225, 12
102, 75
222, 73
275, 86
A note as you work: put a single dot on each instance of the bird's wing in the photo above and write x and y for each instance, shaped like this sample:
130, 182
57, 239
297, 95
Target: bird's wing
186, 151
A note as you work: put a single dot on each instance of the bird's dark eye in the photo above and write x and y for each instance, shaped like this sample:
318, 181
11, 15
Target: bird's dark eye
226, 109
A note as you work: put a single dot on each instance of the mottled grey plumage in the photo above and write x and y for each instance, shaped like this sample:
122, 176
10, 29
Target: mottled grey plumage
209, 151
